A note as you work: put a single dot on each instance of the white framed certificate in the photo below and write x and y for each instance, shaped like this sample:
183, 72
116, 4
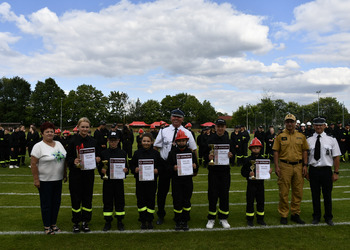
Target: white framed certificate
184, 164
146, 170
116, 168
262, 169
87, 158
221, 154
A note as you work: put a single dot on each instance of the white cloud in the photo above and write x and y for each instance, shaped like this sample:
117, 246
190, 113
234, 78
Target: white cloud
131, 39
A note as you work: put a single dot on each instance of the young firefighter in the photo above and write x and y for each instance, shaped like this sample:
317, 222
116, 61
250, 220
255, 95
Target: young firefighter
219, 177
146, 189
113, 189
255, 188
182, 185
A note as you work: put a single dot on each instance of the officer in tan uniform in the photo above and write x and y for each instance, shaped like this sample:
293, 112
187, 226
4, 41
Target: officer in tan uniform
290, 158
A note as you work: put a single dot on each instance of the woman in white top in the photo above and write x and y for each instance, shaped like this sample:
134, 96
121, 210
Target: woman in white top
48, 169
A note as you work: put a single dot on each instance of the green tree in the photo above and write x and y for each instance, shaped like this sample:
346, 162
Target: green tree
134, 111
46, 102
117, 106
88, 102
14, 99
206, 113
151, 111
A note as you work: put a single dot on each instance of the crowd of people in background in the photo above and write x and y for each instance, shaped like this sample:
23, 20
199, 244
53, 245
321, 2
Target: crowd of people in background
161, 147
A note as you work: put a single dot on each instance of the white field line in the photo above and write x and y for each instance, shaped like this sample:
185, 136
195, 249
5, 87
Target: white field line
172, 231
194, 192
192, 205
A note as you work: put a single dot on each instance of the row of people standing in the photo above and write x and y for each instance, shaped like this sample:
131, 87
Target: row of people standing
13, 146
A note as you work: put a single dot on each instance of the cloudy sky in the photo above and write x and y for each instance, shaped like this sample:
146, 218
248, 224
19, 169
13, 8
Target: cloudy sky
229, 52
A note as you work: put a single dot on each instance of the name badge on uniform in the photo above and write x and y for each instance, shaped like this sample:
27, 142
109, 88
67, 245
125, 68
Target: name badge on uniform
327, 152
284, 138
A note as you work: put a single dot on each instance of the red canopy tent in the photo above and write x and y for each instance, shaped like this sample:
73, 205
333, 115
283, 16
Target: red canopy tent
157, 124
138, 124
207, 124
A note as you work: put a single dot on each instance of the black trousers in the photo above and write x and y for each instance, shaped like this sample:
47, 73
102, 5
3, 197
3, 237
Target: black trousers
81, 186
14, 157
163, 190
255, 191
2, 155
218, 188
113, 196
321, 178
50, 201
146, 195
182, 188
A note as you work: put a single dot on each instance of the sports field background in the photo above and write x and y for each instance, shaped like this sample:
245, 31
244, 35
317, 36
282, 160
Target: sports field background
21, 224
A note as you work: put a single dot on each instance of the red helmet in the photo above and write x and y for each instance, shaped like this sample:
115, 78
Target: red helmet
153, 126
181, 135
188, 125
58, 131
162, 123
75, 129
255, 143
140, 131
66, 132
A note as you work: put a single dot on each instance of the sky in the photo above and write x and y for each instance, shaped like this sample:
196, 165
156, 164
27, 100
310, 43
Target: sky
231, 53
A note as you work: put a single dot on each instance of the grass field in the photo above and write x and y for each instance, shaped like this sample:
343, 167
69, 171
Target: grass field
21, 224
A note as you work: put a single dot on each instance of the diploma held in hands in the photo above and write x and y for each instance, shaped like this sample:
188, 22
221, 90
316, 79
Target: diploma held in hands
146, 170
262, 169
221, 154
184, 164
116, 169
87, 158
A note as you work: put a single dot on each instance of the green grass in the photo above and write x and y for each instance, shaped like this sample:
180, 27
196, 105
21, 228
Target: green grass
21, 213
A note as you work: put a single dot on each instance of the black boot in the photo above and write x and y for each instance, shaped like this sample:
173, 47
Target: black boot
107, 226
250, 222
260, 220
120, 225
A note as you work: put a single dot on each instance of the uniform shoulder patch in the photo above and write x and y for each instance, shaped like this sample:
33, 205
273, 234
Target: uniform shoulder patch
299, 138
284, 138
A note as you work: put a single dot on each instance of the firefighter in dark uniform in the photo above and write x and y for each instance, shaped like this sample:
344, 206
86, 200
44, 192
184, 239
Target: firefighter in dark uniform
7, 147
340, 135
101, 135
139, 138
81, 182
245, 141
182, 186
22, 145
219, 180
153, 131
57, 136
270, 139
128, 140
189, 127
146, 190
2, 147
255, 188
237, 142
309, 130
205, 137
260, 134
14, 145
113, 189
33, 137
347, 139
290, 159
65, 139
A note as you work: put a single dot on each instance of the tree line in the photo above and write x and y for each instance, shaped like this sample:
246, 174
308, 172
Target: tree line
19, 104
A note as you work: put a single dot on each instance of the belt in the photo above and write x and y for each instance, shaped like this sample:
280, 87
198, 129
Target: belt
320, 167
292, 162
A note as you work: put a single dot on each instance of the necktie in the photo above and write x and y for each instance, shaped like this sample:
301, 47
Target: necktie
174, 135
317, 154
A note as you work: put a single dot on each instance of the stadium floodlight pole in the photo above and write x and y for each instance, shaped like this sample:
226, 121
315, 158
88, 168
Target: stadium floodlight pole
61, 115
318, 103
247, 117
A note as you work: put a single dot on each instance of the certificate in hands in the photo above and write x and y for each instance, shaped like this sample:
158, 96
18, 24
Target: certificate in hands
262, 169
184, 164
146, 170
116, 168
221, 154
87, 158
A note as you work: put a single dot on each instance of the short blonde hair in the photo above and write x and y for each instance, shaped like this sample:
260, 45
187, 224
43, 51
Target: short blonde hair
84, 119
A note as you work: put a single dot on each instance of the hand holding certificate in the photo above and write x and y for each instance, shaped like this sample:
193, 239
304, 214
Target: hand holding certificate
262, 169
87, 158
116, 169
146, 170
184, 164
221, 152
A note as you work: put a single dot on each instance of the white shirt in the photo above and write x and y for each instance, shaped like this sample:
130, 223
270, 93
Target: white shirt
164, 140
51, 160
329, 149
